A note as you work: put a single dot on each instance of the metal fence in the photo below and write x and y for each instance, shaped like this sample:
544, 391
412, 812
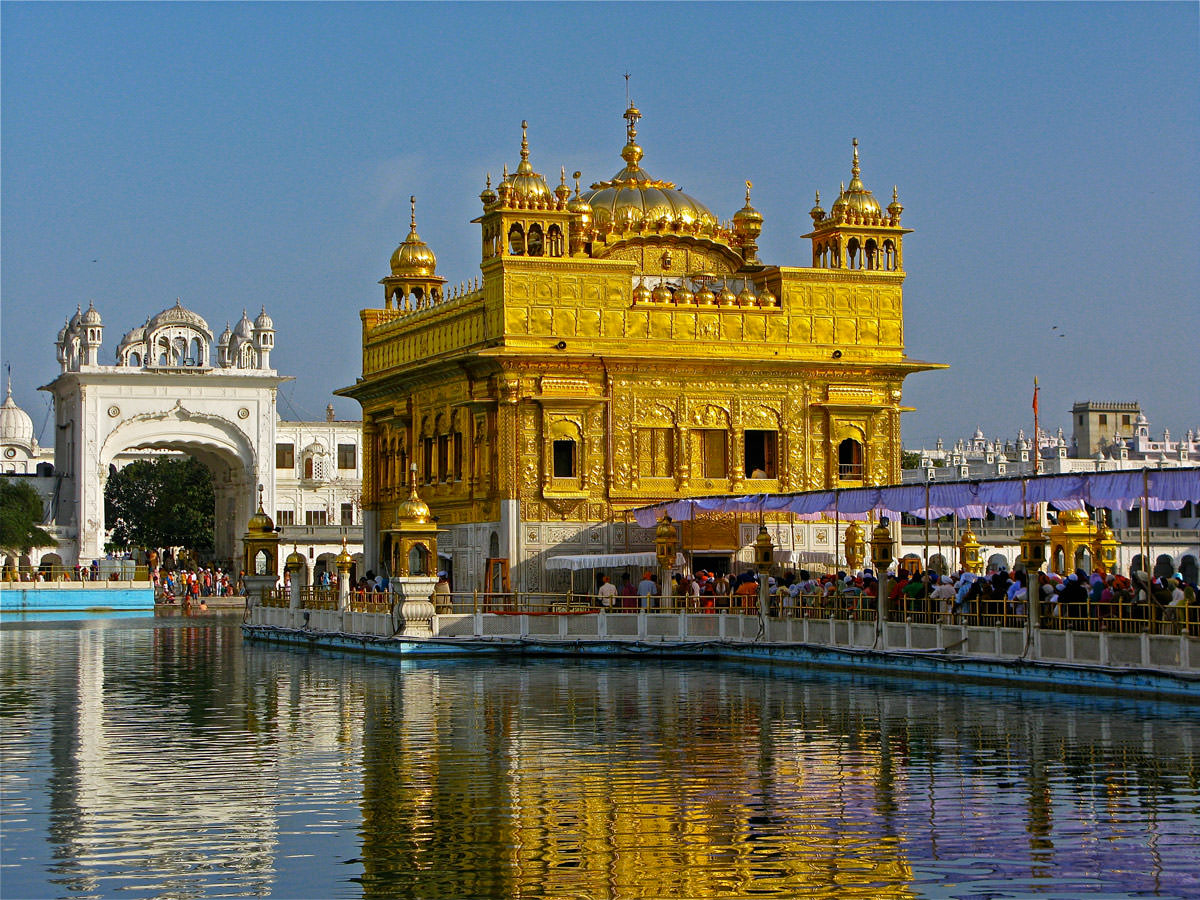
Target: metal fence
109, 570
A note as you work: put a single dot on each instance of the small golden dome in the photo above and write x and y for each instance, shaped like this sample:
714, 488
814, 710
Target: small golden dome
295, 559
726, 297
526, 185
894, 208
562, 192
414, 509
487, 195
855, 199
413, 257
766, 298
642, 294
260, 523
746, 297
662, 293
705, 297
344, 560
579, 206
1073, 517
817, 212
684, 297
747, 221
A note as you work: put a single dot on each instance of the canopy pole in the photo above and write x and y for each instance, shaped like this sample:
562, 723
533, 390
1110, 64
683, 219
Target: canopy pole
927, 526
1145, 529
837, 522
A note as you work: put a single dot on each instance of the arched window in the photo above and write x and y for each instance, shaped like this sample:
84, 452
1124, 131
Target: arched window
1059, 563
308, 468
871, 254
135, 360
889, 256
852, 255
850, 460
554, 238
516, 241
534, 243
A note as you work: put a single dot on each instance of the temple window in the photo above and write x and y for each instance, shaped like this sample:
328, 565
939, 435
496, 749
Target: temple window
658, 452
565, 458
871, 255
889, 256
443, 445
285, 456
316, 517
534, 243
458, 456
713, 458
347, 456
135, 360
347, 513
427, 459
418, 560
285, 517
850, 460
852, 254
516, 241
554, 238
761, 454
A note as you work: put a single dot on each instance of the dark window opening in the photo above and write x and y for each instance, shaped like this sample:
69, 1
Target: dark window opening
1103, 419
564, 459
850, 460
316, 517
443, 457
285, 517
347, 456
427, 458
458, 456
713, 461
347, 513
760, 454
285, 456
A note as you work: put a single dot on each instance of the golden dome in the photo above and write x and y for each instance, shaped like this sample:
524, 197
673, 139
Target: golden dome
855, 199
705, 297
414, 509
579, 206
747, 221
526, 185
295, 559
817, 212
746, 297
344, 560
684, 297
662, 294
1073, 517
766, 298
642, 294
260, 522
487, 196
726, 297
413, 257
631, 199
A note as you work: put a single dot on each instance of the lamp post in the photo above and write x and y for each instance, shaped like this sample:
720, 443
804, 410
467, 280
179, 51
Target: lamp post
764, 554
1104, 549
970, 557
883, 549
856, 547
1033, 556
664, 549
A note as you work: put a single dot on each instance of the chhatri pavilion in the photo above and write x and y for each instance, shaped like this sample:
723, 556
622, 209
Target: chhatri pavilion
624, 346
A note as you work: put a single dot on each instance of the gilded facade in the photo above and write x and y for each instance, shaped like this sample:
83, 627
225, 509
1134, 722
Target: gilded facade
623, 345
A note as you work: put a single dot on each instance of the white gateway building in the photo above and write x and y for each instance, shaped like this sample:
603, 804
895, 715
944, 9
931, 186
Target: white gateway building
174, 389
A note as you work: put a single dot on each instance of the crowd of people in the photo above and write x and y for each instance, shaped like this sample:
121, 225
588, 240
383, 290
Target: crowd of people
192, 585
1078, 600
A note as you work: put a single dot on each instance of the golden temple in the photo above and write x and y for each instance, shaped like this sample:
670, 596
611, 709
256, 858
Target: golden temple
624, 346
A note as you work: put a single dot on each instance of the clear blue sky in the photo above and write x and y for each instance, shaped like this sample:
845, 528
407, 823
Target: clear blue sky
237, 155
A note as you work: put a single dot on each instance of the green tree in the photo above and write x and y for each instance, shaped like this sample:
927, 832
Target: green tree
910, 459
166, 502
20, 513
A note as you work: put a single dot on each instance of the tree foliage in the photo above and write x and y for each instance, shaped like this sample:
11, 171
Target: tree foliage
910, 459
166, 502
20, 513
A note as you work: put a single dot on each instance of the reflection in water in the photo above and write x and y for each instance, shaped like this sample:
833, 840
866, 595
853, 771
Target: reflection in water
166, 758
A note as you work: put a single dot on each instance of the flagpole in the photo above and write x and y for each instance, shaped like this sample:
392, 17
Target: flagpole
1037, 444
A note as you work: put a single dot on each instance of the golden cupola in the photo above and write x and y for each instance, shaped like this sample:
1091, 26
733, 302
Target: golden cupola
413, 256
525, 187
747, 225
633, 201
855, 200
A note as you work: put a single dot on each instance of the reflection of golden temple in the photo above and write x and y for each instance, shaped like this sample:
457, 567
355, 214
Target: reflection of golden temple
625, 346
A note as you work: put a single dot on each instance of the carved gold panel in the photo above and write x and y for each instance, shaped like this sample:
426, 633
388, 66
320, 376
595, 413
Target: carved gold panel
587, 323
889, 332
637, 323
518, 287
754, 328
564, 322
777, 329
543, 291
847, 333
660, 325
685, 325
731, 328
612, 322
842, 299
822, 330
541, 320
515, 321
868, 330
592, 292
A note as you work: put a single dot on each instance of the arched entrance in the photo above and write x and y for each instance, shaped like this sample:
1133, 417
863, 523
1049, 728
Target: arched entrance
218, 445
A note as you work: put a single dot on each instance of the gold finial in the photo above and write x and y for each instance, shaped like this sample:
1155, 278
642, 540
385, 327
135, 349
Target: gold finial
818, 200
562, 174
412, 201
260, 487
895, 193
489, 181
506, 171
854, 165
749, 184
632, 114
524, 141
577, 176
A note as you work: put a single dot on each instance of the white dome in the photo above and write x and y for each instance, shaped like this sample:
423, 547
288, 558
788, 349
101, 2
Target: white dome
15, 425
263, 322
178, 315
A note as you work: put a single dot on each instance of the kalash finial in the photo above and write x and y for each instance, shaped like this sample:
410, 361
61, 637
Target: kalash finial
412, 221
854, 164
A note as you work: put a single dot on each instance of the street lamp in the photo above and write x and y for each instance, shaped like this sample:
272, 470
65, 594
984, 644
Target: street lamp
1033, 556
764, 556
856, 547
664, 549
883, 549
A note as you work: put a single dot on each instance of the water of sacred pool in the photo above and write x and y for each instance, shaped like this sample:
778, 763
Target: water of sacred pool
163, 757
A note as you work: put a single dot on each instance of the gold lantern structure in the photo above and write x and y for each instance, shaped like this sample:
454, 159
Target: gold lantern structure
856, 546
969, 552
